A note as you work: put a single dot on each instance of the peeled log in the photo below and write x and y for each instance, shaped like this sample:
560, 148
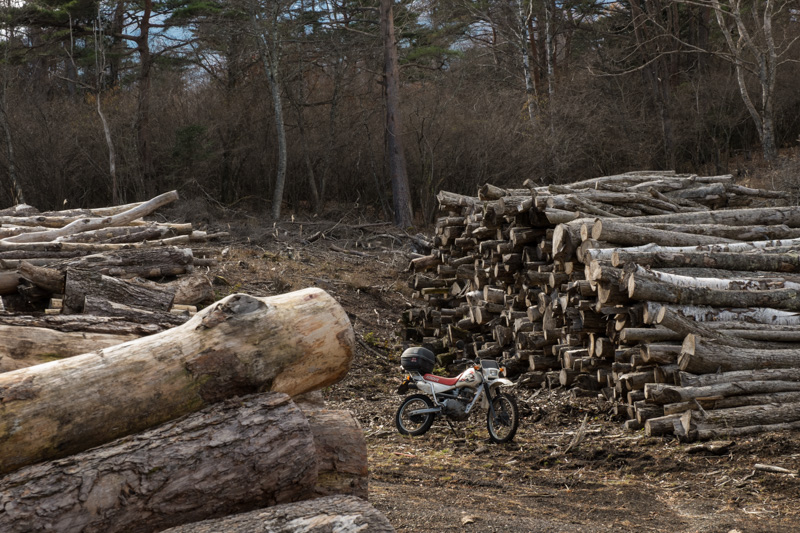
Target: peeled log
323, 515
22, 347
231, 457
701, 356
291, 343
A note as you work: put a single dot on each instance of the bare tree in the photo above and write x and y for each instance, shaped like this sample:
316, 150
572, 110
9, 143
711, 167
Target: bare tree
267, 17
756, 52
401, 196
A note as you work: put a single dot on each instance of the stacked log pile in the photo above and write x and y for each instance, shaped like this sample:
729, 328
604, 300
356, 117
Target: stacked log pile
194, 423
590, 286
74, 279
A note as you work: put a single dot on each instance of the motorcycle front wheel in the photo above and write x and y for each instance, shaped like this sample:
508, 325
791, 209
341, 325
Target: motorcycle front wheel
414, 424
503, 425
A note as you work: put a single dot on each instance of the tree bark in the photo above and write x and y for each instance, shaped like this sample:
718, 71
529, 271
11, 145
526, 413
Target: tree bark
81, 283
341, 452
701, 356
231, 457
322, 515
94, 305
291, 343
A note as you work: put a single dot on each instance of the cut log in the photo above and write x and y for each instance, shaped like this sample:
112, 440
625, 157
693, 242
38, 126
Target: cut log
757, 315
83, 323
323, 515
145, 263
762, 216
648, 288
787, 262
81, 283
732, 401
291, 343
22, 347
765, 374
94, 305
727, 420
739, 283
231, 457
703, 356
341, 452
664, 394
631, 234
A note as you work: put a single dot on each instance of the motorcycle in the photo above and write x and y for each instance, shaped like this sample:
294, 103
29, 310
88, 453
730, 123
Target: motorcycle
455, 398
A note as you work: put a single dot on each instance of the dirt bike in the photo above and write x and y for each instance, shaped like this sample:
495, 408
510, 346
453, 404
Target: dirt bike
454, 398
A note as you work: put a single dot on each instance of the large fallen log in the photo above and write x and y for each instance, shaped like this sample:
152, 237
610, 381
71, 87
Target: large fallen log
84, 323
231, 457
22, 347
323, 515
291, 343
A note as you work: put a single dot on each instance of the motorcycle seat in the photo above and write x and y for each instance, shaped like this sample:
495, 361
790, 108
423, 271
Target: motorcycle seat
439, 379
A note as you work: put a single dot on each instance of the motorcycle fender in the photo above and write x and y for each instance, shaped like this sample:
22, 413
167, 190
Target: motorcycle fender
502, 382
424, 387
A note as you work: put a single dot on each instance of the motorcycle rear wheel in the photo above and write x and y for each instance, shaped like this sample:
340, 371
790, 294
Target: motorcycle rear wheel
503, 425
414, 425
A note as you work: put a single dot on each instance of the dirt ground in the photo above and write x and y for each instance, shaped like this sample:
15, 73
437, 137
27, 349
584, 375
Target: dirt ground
456, 480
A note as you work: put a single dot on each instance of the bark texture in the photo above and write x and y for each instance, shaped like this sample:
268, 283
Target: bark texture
291, 343
323, 515
232, 457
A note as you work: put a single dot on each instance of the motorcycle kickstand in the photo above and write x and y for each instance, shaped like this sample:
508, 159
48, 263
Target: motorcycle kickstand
451, 427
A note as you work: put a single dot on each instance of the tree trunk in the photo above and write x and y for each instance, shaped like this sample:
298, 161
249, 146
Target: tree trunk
701, 356
762, 216
21, 347
757, 315
291, 343
323, 515
230, 457
401, 195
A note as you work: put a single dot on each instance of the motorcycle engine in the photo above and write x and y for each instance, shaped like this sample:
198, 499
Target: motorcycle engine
455, 409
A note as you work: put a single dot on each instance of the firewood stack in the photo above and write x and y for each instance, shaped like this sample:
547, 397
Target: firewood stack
651, 289
94, 278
